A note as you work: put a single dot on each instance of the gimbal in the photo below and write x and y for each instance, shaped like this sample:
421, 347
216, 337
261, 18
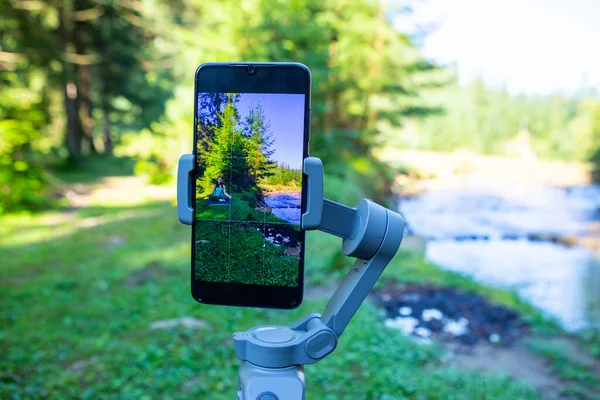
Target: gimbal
273, 356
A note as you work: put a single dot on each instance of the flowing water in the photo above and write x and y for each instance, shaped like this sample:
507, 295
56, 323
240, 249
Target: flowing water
285, 205
511, 236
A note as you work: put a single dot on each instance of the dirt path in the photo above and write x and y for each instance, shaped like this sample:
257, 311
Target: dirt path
121, 190
516, 362
111, 192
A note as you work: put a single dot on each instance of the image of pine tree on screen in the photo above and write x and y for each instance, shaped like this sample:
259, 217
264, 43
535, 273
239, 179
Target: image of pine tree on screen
249, 148
249, 155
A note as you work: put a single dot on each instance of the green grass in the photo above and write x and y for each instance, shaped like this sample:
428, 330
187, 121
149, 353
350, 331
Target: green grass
77, 305
79, 291
238, 252
231, 246
239, 210
577, 369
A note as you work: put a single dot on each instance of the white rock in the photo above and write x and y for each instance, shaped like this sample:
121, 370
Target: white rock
422, 332
405, 324
456, 328
114, 241
494, 338
431, 313
404, 311
390, 323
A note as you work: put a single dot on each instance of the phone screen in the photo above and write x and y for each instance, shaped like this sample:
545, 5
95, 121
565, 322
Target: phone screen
247, 238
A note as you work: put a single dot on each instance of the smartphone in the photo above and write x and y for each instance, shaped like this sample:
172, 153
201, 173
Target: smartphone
251, 134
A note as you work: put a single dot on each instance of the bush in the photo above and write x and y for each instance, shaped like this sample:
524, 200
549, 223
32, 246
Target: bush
158, 148
23, 182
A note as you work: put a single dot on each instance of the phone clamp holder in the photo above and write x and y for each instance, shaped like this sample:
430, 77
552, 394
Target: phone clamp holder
273, 356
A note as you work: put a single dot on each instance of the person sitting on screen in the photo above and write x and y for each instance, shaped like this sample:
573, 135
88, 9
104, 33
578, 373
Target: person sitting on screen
219, 193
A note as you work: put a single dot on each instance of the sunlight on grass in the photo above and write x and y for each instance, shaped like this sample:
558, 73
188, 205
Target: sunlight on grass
28, 236
95, 292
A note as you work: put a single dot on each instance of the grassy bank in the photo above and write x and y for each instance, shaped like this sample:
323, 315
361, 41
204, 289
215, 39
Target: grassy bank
236, 234
81, 290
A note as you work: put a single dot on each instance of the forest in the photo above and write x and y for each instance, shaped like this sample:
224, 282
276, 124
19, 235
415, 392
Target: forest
81, 78
121, 79
97, 105
489, 120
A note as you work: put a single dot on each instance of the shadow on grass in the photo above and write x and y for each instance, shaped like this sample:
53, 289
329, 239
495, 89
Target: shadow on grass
88, 227
25, 233
93, 168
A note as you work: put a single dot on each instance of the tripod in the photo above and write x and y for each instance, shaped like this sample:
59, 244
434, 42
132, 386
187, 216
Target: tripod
273, 356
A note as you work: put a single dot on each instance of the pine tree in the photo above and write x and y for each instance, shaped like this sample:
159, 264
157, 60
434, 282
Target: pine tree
227, 157
260, 141
210, 109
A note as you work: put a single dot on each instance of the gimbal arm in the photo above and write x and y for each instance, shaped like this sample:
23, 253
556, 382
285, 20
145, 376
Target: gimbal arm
371, 233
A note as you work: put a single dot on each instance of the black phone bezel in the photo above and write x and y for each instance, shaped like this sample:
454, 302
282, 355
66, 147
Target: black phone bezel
291, 78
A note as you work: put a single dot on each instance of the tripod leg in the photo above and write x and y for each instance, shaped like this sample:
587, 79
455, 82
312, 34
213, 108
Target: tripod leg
257, 383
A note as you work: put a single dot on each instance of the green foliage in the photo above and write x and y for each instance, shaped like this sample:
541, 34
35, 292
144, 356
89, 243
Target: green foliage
96, 168
219, 158
284, 175
590, 338
92, 70
588, 127
365, 74
239, 243
23, 182
238, 153
158, 148
492, 121
259, 142
155, 168
571, 364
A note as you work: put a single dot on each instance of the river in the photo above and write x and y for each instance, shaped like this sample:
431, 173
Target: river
285, 205
510, 236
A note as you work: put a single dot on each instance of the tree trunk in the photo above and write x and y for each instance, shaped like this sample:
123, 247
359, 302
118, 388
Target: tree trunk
73, 138
104, 84
73, 134
85, 100
80, 34
108, 144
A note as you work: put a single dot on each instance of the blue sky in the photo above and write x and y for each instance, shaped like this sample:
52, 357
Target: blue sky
531, 46
285, 112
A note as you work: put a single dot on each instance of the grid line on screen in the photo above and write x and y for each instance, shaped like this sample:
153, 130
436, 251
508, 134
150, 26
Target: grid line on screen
263, 197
